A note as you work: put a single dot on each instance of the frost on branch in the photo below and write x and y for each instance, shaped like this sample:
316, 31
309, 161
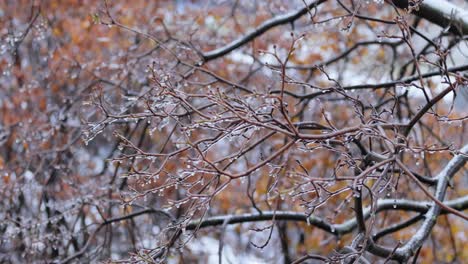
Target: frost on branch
232, 131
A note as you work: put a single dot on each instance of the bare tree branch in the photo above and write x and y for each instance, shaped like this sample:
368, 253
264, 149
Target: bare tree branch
264, 27
440, 12
337, 229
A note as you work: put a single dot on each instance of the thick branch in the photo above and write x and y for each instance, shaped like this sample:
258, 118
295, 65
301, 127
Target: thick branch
264, 27
337, 229
442, 13
408, 250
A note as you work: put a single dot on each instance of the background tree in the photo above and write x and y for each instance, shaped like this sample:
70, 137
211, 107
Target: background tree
241, 131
